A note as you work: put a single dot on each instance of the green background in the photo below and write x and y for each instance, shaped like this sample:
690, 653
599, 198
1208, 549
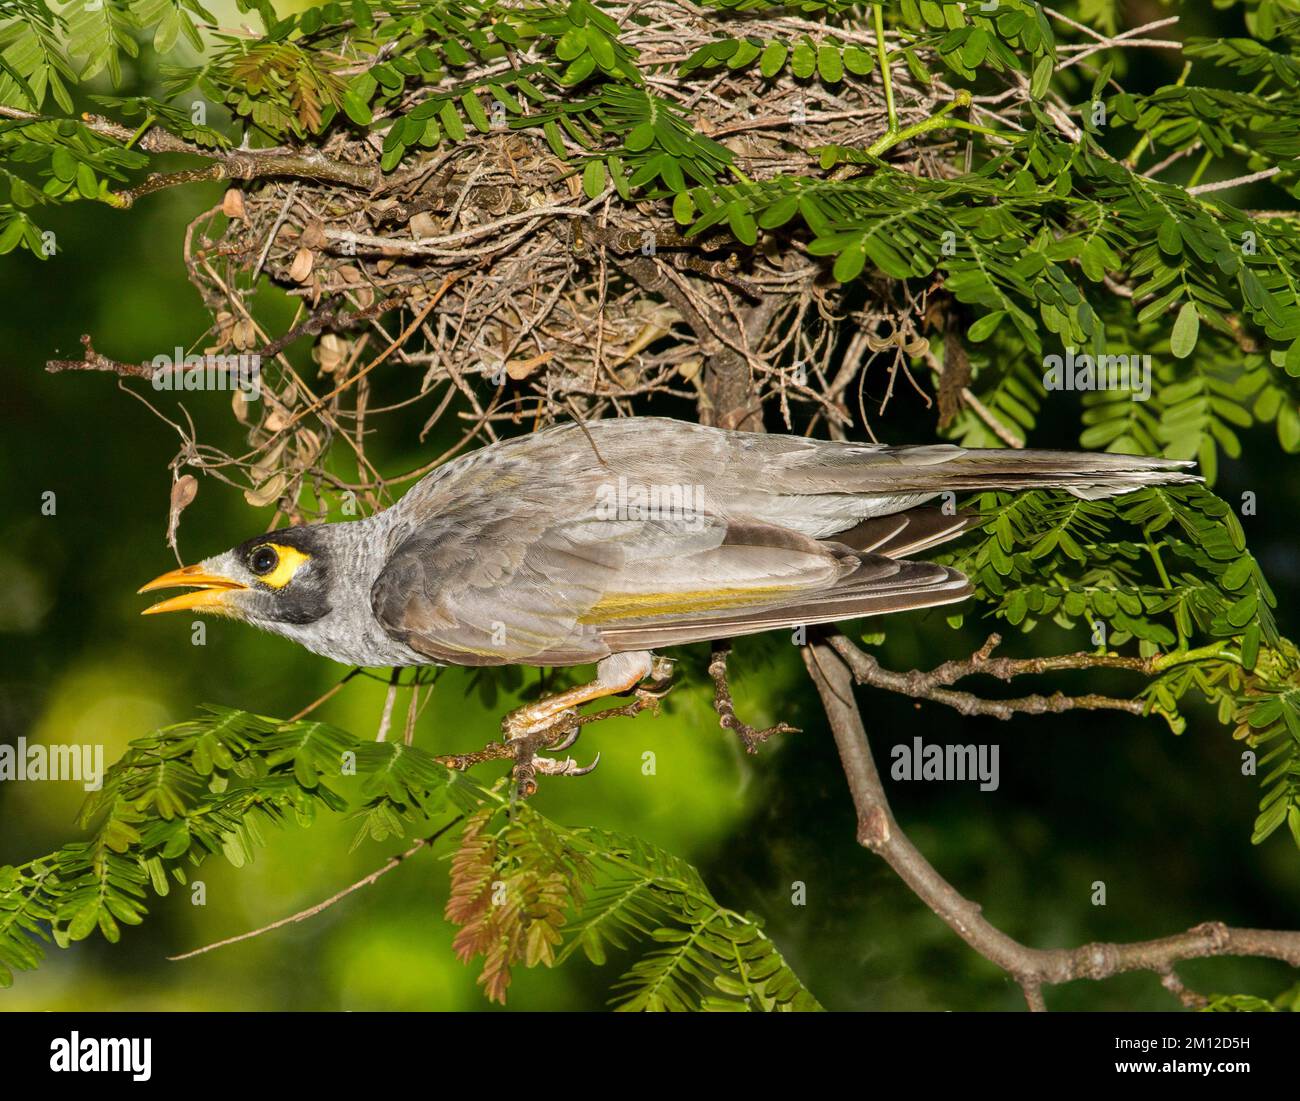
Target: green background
1163, 821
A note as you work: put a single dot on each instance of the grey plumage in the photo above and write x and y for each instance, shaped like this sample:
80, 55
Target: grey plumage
536, 550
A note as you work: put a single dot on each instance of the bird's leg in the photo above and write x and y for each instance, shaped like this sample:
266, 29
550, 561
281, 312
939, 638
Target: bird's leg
553, 722
616, 673
726, 707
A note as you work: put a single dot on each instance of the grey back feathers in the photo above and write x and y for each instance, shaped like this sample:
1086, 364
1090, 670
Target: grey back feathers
569, 544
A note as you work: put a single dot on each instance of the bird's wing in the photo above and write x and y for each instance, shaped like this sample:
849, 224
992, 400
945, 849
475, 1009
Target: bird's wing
512, 564
872, 584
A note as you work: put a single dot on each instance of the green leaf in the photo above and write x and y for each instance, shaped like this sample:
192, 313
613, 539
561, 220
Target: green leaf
850, 262
829, 66
1042, 78
773, 59
983, 328
593, 179
804, 61
356, 108
475, 112
640, 137
858, 61
451, 122
1291, 363
1187, 328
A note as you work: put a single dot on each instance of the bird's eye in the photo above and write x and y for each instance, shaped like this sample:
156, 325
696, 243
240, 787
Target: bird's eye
263, 560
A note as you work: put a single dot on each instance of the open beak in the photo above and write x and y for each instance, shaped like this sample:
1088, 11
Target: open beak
209, 594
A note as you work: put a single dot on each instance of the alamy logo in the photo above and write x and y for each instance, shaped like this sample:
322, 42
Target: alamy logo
680, 505
88, 1053
919, 761
1103, 372
83, 763
215, 372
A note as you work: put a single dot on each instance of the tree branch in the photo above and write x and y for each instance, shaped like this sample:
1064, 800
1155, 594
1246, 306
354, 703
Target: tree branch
933, 685
239, 164
1032, 968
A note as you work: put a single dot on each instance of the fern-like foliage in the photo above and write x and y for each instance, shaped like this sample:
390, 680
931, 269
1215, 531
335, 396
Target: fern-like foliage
527, 891
524, 890
1169, 570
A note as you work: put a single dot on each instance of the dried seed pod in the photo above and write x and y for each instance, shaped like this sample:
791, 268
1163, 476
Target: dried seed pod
239, 406
300, 269
244, 334
308, 445
331, 352
424, 225
224, 326
313, 237
184, 490
268, 491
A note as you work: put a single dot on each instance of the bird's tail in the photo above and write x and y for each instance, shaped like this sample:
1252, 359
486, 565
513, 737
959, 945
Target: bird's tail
1089, 475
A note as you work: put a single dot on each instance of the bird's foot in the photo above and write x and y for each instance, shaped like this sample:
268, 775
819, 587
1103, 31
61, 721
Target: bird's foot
658, 684
555, 735
751, 737
534, 719
529, 765
553, 723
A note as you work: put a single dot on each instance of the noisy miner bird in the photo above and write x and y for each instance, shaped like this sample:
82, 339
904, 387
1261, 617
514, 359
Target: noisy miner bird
606, 541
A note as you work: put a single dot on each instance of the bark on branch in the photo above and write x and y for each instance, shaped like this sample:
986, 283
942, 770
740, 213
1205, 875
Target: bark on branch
933, 685
235, 164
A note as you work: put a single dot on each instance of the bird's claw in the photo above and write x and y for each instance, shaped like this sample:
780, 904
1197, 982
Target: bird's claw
563, 766
527, 771
660, 678
657, 685
569, 739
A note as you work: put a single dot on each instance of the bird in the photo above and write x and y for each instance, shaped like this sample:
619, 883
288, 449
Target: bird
610, 540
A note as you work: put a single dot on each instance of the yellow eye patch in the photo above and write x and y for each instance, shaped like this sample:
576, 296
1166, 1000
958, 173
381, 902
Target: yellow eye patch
289, 560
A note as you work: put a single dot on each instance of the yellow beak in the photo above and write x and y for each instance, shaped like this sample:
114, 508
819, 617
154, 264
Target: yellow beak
210, 590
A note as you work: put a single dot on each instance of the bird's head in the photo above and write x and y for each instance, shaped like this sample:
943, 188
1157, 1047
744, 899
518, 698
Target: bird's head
273, 581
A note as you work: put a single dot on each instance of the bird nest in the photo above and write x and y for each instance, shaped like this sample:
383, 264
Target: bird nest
482, 284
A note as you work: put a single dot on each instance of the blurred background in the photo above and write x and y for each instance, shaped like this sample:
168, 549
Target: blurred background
1164, 821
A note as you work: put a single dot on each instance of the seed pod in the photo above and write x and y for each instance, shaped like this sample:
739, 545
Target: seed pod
300, 269
244, 334
331, 353
424, 225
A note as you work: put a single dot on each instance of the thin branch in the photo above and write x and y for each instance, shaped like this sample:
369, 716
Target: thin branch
1032, 968
312, 911
1236, 181
933, 685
